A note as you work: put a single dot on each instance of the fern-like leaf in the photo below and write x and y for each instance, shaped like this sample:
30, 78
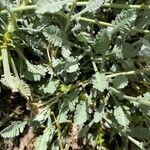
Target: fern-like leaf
92, 6
102, 42
14, 129
52, 6
36, 69
56, 36
81, 115
124, 21
42, 141
17, 85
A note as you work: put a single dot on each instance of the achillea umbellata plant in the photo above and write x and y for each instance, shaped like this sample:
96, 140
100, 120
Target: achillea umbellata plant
87, 63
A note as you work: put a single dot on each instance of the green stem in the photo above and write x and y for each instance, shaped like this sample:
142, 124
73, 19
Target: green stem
95, 21
137, 143
73, 6
103, 63
109, 24
123, 6
138, 71
120, 6
13, 66
106, 5
6, 66
130, 98
20, 9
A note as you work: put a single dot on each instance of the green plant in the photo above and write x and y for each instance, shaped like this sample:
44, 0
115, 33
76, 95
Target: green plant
83, 71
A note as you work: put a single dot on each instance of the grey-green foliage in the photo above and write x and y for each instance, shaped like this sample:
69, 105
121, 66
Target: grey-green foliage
50, 87
120, 82
99, 114
42, 141
99, 81
14, 129
124, 21
53, 6
81, 114
54, 69
121, 117
55, 35
102, 42
91, 6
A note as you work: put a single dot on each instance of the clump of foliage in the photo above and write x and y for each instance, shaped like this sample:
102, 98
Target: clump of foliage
83, 67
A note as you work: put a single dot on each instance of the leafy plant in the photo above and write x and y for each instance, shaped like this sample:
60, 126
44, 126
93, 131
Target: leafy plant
83, 76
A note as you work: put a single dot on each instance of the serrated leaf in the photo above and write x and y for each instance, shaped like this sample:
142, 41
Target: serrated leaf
14, 129
91, 6
99, 114
143, 108
51, 86
36, 69
121, 117
42, 115
145, 49
71, 65
50, 6
99, 81
124, 21
31, 76
81, 115
102, 42
120, 82
17, 85
41, 143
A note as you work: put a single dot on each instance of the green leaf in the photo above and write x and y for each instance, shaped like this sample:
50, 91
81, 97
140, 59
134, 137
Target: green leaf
14, 129
51, 86
121, 117
71, 65
99, 81
99, 114
81, 115
143, 108
42, 115
124, 21
36, 69
102, 42
140, 132
41, 143
145, 49
91, 6
50, 6
120, 82
31, 76
17, 85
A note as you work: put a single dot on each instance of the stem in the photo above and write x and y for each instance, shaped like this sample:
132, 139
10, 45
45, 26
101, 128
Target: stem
138, 71
107, 5
48, 53
120, 6
19, 9
95, 21
13, 66
103, 62
130, 98
6, 66
94, 66
109, 24
137, 143
73, 6
123, 6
